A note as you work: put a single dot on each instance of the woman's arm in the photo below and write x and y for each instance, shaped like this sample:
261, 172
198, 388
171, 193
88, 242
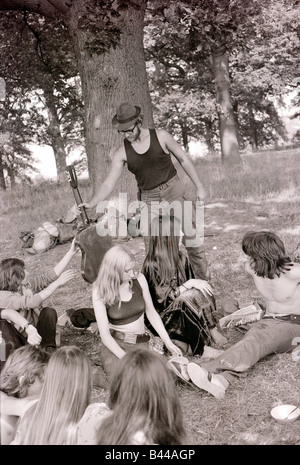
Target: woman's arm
60, 281
15, 317
102, 321
155, 319
59, 268
17, 301
42, 281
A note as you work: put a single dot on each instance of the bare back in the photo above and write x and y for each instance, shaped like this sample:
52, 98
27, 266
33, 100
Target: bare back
282, 294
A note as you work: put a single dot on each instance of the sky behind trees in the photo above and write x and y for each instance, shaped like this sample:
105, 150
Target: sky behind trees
211, 71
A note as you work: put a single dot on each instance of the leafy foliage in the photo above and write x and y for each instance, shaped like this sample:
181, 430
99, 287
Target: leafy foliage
44, 73
262, 40
180, 38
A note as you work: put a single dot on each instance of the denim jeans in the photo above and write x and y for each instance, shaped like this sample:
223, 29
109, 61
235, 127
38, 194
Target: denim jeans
264, 338
192, 221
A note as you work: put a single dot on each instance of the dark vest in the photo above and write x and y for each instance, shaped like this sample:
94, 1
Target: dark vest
152, 168
128, 311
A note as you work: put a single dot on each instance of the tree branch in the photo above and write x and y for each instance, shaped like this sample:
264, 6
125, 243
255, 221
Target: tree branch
53, 8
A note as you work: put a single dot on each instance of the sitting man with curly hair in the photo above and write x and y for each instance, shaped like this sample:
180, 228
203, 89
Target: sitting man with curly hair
277, 279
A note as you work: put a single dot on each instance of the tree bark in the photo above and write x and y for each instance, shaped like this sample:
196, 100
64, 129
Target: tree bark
107, 80
209, 136
57, 140
253, 129
237, 125
184, 134
2, 179
228, 134
11, 175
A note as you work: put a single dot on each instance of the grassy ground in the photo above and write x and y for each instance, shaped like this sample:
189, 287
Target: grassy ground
262, 194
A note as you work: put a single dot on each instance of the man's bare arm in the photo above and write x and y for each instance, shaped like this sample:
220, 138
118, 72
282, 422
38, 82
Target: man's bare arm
110, 181
169, 143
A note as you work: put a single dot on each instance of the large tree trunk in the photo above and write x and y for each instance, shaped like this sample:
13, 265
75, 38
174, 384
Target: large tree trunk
237, 125
57, 140
107, 80
228, 135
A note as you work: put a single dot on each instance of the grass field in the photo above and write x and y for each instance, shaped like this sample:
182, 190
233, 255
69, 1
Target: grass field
263, 193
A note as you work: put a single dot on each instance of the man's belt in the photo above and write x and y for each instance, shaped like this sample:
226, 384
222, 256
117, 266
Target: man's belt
130, 338
292, 318
162, 186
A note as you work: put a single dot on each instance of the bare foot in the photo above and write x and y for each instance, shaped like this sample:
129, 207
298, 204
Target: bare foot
185, 348
217, 337
211, 352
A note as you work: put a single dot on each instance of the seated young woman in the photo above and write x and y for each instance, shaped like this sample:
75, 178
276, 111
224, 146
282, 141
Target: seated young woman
186, 305
121, 299
143, 404
54, 417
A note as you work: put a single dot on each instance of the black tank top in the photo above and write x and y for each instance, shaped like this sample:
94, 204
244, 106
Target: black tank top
152, 168
128, 311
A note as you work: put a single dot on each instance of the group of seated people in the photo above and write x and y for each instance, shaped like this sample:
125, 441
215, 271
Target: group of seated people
142, 407
163, 299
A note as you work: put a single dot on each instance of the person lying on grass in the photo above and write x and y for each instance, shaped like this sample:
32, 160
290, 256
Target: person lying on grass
22, 293
277, 279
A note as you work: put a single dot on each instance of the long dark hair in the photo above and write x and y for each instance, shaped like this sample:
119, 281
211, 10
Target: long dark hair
144, 399
163, 257
267, 252
12, 273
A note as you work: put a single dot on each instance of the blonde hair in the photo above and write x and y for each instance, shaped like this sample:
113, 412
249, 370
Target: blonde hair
64, 398
111, 272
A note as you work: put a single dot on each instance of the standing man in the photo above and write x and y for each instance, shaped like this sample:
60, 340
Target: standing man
147, 153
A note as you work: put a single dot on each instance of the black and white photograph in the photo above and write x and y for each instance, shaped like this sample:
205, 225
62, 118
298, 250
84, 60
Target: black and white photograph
150, 226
